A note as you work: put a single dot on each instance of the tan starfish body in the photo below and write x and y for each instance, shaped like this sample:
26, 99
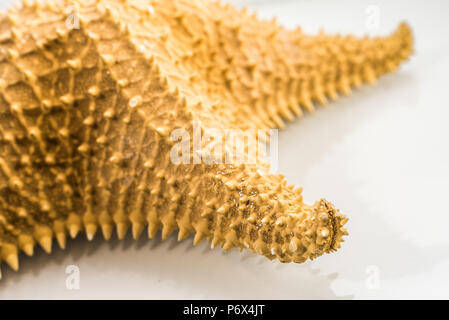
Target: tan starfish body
86, 115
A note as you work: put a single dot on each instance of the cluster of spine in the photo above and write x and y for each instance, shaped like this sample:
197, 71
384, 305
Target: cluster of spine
86, 115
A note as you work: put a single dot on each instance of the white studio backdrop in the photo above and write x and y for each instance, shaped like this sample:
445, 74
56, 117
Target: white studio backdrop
381, 156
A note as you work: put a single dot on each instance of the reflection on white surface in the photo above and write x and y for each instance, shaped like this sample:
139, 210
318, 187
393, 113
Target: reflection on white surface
381, 156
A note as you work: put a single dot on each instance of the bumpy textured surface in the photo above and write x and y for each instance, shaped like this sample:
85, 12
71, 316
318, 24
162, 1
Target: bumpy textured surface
86, 116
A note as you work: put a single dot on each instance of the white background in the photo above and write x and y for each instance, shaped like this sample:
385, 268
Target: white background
381, 156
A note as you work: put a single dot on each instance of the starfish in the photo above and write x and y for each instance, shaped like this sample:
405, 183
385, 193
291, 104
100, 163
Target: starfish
91, 92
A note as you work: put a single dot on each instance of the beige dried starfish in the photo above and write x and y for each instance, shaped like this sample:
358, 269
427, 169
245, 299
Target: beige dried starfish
86, 115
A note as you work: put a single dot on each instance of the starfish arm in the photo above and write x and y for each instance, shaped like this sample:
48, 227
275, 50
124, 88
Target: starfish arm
239, 207
263, 73
344, 62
